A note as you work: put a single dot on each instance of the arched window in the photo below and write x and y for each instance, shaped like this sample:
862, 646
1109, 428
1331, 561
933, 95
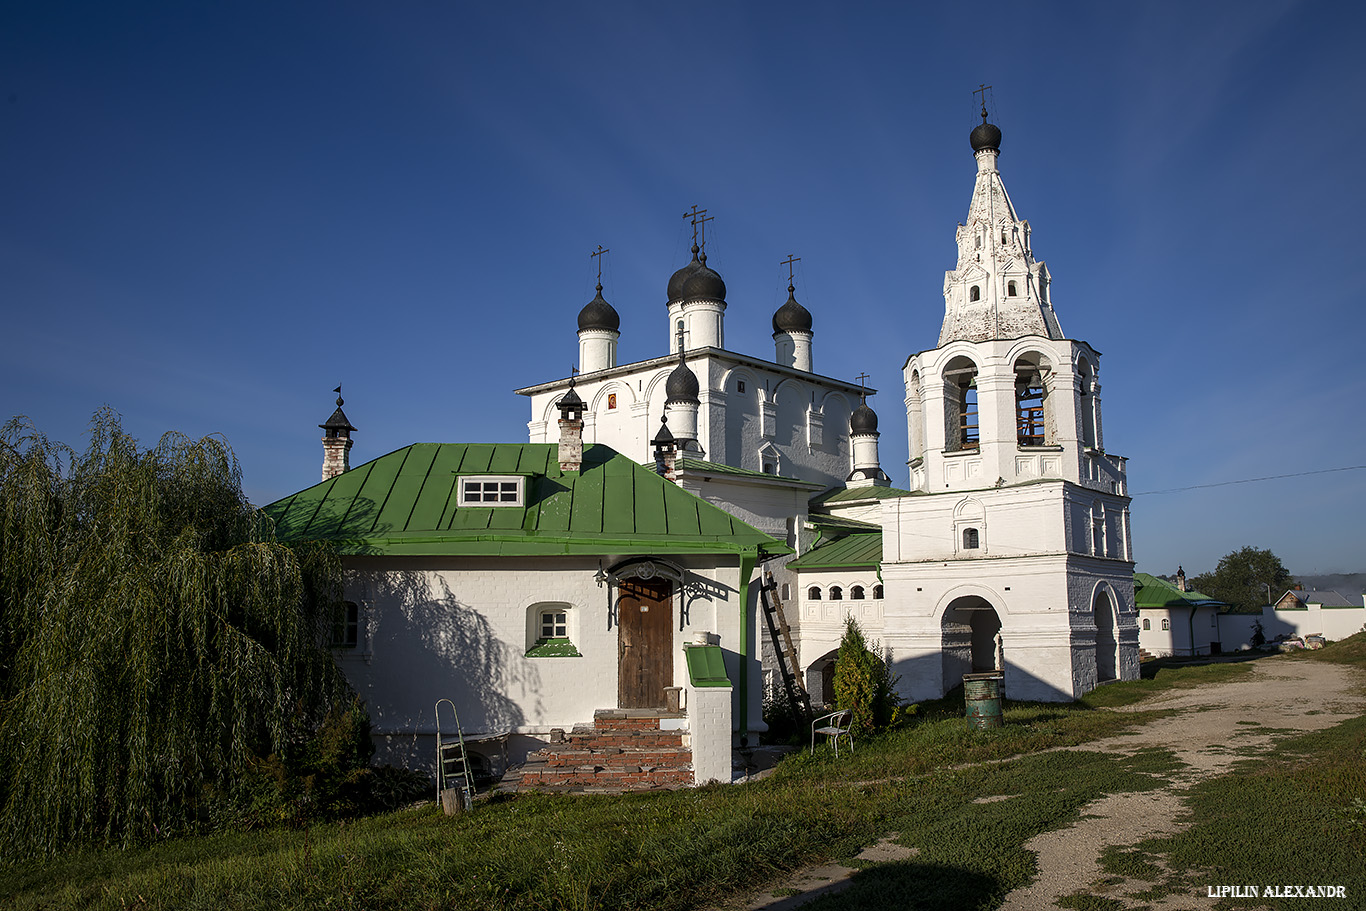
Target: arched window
971, 539
1147, 624
1166, 624
836, 593
1031, 422
550, 631
856, 593
813, 593
960, 401
974, 293
1086, 379
877, 592
1010, 290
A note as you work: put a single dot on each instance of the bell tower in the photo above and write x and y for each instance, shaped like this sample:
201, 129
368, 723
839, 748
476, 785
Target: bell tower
1019, 526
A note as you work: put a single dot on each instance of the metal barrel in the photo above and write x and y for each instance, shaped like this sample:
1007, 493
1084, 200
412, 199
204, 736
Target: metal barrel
982, 693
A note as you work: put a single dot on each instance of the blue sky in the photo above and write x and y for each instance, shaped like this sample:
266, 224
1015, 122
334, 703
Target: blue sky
211, 214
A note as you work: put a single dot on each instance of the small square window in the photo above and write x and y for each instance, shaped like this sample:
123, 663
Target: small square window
491, 491
554, 625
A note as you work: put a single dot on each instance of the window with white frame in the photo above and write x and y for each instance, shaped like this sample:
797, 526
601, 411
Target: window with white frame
555, 623
877, 592
1166, 624
813, 593
1147, 624
492, 490
856, 593
836, 593
345, 626
550, 628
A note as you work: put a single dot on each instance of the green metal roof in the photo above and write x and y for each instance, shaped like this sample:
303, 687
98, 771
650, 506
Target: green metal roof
717, 468
869, 492
1152, 592
404, 503
840, 523
859, 550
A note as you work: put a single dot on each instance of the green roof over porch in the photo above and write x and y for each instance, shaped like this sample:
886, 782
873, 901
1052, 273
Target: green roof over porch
405, 504
852, 551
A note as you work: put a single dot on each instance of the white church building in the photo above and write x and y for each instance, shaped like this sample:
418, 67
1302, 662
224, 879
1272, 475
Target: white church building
1009, 549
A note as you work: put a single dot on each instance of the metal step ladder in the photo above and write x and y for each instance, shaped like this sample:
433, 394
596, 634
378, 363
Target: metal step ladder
797, 696
452, 759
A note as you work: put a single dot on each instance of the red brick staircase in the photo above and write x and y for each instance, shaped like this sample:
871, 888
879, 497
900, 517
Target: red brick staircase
623, 750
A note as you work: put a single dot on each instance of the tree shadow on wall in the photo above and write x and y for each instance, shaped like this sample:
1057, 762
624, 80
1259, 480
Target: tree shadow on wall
428, 645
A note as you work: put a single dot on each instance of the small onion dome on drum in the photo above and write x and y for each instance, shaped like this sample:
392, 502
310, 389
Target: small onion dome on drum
986, 136
696, 281
791, 316
681, 386
598, 314
862, 420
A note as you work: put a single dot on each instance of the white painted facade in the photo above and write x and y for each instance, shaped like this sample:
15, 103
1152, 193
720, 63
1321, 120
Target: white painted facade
754, 414
1181, 631
461, 628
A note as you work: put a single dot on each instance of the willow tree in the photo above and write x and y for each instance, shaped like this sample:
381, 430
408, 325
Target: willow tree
154, 638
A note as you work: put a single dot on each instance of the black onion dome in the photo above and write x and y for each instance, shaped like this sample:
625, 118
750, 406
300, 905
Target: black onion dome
681, 386
986, 136
696, 281
863, 420
791, 316
704, 284
680, 278
598, 314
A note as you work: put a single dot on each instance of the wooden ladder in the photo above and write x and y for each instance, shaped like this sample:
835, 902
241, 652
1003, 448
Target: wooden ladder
781, 633
452, 760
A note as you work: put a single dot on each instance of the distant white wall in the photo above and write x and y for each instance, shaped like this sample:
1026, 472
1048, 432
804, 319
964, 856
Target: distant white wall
1333, 623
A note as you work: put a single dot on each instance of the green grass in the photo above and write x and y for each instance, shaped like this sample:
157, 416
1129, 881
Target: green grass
1167, 674
1289, 817
699, 847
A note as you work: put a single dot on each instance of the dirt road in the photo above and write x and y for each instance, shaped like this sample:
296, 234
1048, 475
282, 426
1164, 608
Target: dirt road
1209, 732
1212, 728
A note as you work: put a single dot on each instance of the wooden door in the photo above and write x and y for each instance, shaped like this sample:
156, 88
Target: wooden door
644, 643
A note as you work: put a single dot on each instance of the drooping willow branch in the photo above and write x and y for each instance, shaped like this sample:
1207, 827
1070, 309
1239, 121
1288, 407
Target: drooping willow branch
154, 637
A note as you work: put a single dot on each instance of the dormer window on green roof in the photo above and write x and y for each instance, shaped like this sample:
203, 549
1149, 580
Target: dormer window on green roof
492, 490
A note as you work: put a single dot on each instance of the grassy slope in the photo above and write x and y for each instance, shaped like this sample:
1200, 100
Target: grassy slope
682, 849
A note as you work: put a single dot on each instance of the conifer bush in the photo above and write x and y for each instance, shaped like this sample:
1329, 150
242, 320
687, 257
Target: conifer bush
863, 682
155, 639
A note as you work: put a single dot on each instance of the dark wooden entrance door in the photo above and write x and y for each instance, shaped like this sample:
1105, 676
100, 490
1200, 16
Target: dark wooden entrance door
644, 643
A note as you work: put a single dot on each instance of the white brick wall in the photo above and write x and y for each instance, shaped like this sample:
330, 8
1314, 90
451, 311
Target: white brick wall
709, 726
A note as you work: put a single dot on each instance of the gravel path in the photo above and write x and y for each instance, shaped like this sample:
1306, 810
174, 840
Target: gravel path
1212, 728
1209, 732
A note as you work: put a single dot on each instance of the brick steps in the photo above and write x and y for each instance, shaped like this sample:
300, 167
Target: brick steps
621, 751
